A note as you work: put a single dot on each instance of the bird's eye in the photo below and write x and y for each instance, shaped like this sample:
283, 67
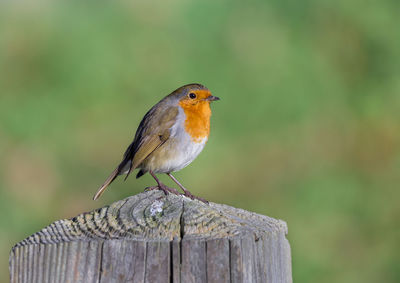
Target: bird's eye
192, 95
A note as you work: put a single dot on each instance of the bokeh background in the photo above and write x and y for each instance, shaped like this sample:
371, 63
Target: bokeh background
307, 129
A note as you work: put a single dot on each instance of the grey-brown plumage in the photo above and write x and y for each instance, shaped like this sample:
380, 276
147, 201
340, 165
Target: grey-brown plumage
160, 136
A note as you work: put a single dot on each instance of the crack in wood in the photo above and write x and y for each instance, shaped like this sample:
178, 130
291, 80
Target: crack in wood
188, 242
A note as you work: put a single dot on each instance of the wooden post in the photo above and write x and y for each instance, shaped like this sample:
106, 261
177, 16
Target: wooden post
151, 237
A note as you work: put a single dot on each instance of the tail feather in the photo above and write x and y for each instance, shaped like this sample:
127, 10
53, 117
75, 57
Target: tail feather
140, 173
109, 180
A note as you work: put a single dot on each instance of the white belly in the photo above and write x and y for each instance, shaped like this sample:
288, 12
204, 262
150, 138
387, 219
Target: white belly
183, 157
177, 153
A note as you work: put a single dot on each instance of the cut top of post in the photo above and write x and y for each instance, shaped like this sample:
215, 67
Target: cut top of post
155, 216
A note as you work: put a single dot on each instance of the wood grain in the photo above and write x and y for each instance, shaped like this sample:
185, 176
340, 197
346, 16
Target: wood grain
151, 237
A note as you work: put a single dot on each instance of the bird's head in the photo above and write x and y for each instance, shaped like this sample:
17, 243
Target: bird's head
193, 96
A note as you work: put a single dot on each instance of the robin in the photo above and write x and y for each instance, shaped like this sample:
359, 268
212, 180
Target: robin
169, 137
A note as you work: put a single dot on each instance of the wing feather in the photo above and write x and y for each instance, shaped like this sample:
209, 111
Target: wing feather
153, 132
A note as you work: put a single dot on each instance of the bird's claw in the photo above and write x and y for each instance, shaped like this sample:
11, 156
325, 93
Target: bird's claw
163, 188
167, 190
193, 197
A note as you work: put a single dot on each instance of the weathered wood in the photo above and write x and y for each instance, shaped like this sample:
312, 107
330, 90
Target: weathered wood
151, 237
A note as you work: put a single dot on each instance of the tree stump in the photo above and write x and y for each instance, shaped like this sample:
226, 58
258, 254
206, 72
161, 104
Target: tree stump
151, 237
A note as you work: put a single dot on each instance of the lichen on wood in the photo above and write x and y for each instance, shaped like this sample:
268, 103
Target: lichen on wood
151, 237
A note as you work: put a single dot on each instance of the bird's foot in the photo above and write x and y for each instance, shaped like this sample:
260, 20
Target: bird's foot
163, 188
189, 195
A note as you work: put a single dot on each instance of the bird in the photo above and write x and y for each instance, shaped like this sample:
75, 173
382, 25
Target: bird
169, 137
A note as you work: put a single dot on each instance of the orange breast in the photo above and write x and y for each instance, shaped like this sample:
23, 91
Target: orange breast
197, 123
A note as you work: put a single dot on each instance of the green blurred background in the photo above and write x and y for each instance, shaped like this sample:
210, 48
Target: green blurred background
307, 129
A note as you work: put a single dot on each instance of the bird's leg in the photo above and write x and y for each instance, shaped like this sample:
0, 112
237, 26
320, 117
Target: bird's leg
186, 192
161, 186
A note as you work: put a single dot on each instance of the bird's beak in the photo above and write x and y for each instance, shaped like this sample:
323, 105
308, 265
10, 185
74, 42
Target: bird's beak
212, 98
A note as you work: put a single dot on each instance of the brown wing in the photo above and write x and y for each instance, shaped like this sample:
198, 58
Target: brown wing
150, 144
153, 131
